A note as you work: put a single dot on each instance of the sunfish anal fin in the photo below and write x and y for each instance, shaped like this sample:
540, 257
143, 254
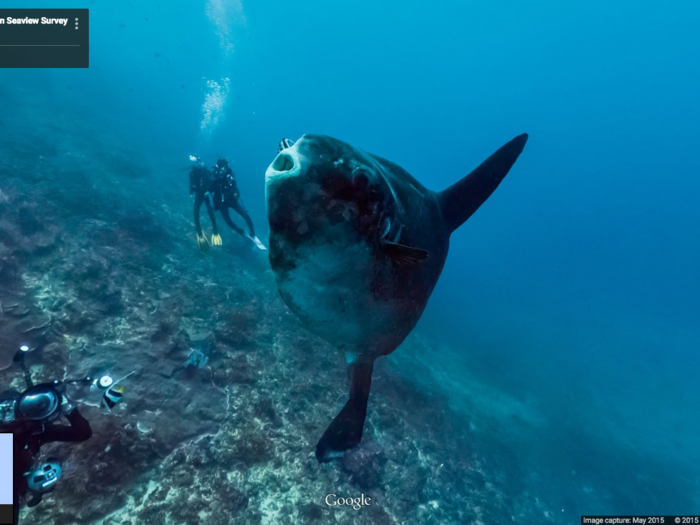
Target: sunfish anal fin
345, 431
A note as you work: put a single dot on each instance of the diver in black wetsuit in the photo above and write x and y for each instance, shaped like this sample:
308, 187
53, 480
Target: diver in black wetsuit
224, 190
31, 434
201, 180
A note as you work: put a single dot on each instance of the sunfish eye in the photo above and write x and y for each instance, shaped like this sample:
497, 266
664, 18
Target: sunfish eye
360, 180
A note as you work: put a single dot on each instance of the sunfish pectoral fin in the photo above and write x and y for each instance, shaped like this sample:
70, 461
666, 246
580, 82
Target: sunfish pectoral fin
461, 200
345, 431
402, 254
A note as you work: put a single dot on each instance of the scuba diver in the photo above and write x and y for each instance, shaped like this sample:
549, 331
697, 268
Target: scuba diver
201, 180
30, 435
225, 195
31, 417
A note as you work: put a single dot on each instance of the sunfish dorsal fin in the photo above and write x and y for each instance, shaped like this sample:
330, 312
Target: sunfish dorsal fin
461, 200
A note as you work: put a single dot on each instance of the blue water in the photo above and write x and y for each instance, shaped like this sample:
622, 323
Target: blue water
571, 298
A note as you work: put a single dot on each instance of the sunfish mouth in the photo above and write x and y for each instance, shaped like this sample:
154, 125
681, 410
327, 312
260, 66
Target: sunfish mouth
286, 164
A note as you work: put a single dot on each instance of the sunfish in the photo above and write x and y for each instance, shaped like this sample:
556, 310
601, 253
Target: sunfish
357, 245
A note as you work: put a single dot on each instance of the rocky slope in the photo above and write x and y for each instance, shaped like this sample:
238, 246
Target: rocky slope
100, 272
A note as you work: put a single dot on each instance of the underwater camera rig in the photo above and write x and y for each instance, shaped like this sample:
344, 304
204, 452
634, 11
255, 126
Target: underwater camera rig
44, 403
